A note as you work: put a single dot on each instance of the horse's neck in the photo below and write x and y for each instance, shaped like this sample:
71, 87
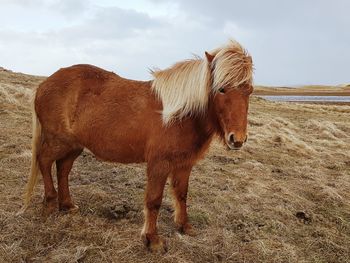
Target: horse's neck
205, 128
205, 125
212, 121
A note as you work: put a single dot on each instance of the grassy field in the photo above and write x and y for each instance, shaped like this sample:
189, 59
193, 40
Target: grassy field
283, 198
312, 90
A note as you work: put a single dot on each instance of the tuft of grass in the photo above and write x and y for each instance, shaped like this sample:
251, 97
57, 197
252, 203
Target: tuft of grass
199, 218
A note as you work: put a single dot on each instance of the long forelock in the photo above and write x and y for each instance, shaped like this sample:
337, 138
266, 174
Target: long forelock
182, 88
231, 67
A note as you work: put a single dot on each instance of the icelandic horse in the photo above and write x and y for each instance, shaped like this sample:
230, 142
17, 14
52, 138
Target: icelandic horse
167, 122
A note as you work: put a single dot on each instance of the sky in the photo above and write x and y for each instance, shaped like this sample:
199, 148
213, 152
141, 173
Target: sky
291, 42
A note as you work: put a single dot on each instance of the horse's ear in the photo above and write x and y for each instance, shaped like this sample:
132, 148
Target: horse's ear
210, 57
250, 59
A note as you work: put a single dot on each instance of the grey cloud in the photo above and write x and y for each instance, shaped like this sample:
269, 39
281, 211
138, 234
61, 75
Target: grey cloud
292, 42
112, 37
112, 22
65, 8
70, 8
268, 12
22, 2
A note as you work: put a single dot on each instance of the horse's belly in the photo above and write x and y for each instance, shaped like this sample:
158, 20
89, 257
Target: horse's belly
118, 151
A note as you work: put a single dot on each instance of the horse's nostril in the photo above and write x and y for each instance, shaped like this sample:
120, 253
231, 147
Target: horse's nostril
246, 139
238, 144
231, 138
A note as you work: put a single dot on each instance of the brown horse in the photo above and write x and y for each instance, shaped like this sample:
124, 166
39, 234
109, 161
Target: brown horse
168, 122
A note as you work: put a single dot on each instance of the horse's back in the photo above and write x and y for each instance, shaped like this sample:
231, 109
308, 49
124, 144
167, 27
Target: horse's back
57, 97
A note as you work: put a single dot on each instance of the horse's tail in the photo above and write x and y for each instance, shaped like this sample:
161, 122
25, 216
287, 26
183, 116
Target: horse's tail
34, 170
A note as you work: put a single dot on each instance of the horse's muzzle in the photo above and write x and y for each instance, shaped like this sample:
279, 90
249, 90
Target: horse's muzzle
232, 143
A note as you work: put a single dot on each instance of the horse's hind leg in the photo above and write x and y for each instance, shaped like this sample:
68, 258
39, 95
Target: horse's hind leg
51, 149
46, 159
64, 166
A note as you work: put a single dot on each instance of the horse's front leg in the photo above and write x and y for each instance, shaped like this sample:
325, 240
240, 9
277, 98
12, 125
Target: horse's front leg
156, 179
179, 184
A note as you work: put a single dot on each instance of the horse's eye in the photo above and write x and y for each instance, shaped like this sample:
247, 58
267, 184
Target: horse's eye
222, 90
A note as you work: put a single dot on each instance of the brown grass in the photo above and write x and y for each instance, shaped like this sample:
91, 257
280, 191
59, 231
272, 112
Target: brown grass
309, 90
283, 198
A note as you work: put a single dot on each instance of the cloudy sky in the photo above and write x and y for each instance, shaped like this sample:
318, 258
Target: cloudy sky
292, 42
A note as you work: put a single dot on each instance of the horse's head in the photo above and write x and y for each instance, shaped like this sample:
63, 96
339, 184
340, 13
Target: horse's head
231, 81
231, 109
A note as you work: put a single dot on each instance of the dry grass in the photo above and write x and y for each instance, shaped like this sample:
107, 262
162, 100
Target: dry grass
312, 90
283, 198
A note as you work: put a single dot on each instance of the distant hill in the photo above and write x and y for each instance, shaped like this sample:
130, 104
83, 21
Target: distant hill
316, 90
9, 77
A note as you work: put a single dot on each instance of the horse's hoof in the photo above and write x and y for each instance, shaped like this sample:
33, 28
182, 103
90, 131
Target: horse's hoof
154, 243
186, 229
49, 208
158, 247
70, 208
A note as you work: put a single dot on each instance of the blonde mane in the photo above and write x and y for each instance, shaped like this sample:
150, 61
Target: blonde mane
185, 87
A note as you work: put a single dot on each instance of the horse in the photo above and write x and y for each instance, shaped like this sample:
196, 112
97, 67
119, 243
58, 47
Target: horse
167, 122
